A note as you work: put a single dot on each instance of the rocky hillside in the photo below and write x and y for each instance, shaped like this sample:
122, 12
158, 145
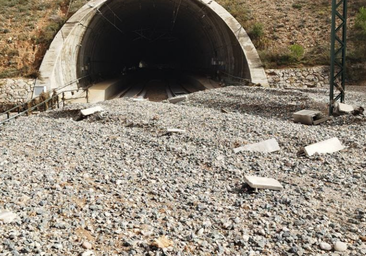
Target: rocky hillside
287, 33
26, 29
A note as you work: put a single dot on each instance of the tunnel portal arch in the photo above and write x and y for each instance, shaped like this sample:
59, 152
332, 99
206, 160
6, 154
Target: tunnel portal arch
107, 36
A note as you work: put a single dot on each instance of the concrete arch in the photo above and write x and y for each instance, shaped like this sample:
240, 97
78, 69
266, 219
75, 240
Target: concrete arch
105, 36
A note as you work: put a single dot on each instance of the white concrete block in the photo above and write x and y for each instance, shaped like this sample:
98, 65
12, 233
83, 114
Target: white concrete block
267, 146
178, 99
90, 111
7, 217
306, 116
264, 183
344, 108
327, 146
175, 131
38, 89
139, 99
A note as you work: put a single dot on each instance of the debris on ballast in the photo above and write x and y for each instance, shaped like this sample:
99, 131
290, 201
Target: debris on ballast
342, 108
358, 111
162, 242
139, 99
328, 146
267, 146
309, 117
172, 130
177, 99
7, 217
91, 111
263, 183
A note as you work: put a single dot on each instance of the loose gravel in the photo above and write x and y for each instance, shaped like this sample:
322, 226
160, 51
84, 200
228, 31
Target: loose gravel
116, 183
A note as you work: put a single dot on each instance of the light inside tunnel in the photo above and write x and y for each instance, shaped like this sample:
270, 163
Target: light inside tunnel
183, 35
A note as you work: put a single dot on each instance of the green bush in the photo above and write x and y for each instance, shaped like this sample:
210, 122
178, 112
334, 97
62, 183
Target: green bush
358, 37
257, 31
361, 21
297, 6
296, 51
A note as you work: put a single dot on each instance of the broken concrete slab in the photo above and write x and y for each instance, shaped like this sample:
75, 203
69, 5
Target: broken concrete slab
139, 99
307, 116
178, 99
267, 146
328, 146
7, 217
90, 111
344, 108
262, 182
175, 131
321, 120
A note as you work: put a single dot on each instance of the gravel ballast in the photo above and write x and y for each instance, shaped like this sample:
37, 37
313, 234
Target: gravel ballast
116, 183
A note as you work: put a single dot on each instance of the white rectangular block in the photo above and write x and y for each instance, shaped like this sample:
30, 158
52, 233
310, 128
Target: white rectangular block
139, 99
328, 146
90, 111
261, 182
267, 146
175, 131
178, 99
344, 108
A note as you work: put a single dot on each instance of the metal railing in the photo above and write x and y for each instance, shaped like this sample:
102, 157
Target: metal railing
41, 103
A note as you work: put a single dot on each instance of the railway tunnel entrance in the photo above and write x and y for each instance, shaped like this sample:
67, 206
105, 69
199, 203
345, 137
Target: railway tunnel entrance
108, 39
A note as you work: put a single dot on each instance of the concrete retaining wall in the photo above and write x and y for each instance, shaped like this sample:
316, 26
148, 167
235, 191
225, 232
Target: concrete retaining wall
299, 77
16, 90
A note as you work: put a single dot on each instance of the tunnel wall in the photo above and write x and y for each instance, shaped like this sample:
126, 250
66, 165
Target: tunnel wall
65, 64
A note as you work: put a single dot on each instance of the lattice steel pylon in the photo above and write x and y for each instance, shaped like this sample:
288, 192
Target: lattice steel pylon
338, 52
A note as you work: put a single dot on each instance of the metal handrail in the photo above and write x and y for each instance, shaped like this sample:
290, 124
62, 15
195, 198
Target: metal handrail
27, 111
19, 106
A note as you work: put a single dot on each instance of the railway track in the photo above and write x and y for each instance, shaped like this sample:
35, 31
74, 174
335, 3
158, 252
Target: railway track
154, 89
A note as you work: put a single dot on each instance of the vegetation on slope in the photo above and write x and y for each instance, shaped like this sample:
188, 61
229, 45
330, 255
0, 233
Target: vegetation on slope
26, 30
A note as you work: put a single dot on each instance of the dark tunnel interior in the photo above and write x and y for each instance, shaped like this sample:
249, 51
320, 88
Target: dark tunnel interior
180, 35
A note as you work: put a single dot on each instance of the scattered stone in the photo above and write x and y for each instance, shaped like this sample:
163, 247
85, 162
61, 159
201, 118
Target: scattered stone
325, 246
7, 217
87, 245
264, 183
340, 246
267, 146
88, 253
120, 187
328, 146
162, 242
358, 111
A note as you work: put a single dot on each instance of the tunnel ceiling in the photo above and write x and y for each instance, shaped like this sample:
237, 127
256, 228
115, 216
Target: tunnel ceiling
179, 34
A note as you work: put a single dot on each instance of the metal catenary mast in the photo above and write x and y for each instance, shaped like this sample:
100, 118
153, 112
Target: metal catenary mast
338, 53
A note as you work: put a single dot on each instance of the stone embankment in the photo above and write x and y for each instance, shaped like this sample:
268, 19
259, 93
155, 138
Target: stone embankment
15, 90
299, 77
117, 183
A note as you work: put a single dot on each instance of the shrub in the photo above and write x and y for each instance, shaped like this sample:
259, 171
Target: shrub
256, 31
296, 51
297, 6
361, 21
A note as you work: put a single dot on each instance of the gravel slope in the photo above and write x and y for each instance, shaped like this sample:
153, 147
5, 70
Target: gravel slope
117, 184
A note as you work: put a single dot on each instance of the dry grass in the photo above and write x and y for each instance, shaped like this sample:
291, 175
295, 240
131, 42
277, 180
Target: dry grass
26, 30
